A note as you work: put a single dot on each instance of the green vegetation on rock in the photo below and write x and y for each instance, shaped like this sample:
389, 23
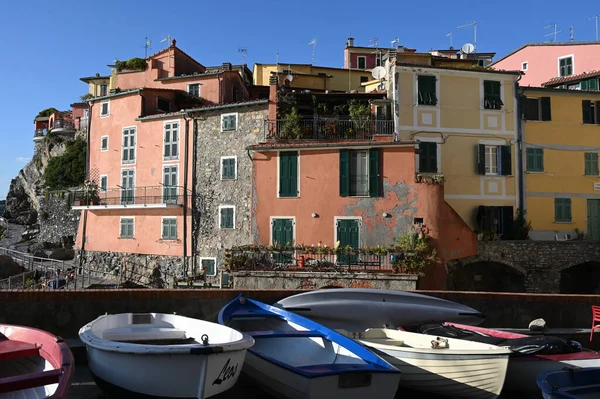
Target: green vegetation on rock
134, 64
67, 170
47, 112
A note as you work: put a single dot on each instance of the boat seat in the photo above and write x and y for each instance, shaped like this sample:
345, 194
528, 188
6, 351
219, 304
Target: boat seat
32, 380
284, 333
12, 349
143, 333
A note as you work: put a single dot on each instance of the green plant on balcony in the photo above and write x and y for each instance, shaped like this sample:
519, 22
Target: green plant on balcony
291, 128
521, 227
86, 96
46, 112
419, 254
132, 64
360, 113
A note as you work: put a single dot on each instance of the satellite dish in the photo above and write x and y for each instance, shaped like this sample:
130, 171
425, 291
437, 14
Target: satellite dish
289, 77
378, 72
467, 48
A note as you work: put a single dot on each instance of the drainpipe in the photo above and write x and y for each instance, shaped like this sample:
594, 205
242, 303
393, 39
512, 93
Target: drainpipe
185, 191
87, 168
395, 99
194, 178
219, 80
520, 172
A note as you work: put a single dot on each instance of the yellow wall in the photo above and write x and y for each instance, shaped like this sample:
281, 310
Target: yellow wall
341, 80
459, 123
565, 140
94, 86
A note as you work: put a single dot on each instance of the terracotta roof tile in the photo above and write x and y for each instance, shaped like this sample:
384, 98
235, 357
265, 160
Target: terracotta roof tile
573, 78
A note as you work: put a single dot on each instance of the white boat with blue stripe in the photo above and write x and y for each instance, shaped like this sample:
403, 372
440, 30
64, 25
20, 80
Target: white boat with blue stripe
296, 358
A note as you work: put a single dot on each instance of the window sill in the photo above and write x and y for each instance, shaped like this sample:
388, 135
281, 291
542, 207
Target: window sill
171, 159
427, 105
104, 116
103, 149
493, 109
535, 172
555, 222
228, 130
128, 163
169, 240
126, 238
595, 176
228, 178
226, 228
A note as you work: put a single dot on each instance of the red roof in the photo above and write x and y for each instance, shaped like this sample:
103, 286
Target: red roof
573, 78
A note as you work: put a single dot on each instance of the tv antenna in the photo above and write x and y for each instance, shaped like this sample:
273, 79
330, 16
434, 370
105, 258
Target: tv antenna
396, 40
168, 39
474, 25
313, 42
374, 42
450, 36
146, 46
596, 18
572, 33
243, 51
553, 33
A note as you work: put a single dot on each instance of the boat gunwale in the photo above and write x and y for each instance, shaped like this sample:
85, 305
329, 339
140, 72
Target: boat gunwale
561, 392
480, 353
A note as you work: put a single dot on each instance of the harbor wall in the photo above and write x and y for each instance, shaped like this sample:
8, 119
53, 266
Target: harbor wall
65, 312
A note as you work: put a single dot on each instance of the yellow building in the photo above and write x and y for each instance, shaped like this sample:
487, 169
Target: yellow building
99, 86
561, 141
466, 121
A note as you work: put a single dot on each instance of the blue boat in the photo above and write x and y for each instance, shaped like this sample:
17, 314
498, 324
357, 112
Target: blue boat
570, 383
294, 357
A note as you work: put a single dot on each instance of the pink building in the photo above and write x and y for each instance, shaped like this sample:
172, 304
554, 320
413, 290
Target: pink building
542, 62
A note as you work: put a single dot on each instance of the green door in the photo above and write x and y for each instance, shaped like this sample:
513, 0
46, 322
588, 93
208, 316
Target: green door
593, 219
347, 234
283, 234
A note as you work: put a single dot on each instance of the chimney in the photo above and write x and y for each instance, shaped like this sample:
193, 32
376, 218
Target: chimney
273, 86
350, 42
226, 66
173, 42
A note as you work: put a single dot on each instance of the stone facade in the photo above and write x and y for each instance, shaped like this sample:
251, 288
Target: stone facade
210, 191
543, 265
58, 222
278, 280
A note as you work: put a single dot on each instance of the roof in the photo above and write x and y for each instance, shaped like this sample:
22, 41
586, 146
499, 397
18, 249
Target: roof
174, 47
284, 67
543, 44
87, 79
192, 76
474, 69
203, 109
561, 91
121, 93
79, 104
317, 144
573, 78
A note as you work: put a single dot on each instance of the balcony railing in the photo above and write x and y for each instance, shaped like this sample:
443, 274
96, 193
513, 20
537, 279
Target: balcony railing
65, 124
135, 197
326, 129
83, 123
39, 133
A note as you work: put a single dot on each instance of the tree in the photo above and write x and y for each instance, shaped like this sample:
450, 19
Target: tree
67, 170
47, 112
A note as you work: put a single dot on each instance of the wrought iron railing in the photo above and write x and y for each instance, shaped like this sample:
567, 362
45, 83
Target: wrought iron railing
326, 129
140, 196
64, 124
39, 133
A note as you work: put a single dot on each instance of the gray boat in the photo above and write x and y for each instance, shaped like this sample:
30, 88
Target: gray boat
356, 309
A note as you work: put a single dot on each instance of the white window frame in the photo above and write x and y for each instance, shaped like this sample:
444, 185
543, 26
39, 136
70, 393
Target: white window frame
129, 162
105, 85
335, 223
236, 121
100, 185
102, 149
235, 168
209, 258
107, 109
171, 157
358, 61
176, 186
129, 188
162, 227
488, 158
572, 57
133, 228
199, 89
225, 207
368, 154
438, 149
166, 99
272, 220
525, 65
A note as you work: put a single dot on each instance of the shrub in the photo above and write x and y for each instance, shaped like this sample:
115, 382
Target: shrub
47, 112
132, 64
67, 170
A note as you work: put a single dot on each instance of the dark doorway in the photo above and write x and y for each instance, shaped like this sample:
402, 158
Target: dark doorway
486, 276
581, 279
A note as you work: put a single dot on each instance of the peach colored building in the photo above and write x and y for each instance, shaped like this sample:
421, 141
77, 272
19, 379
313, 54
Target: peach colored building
542, 62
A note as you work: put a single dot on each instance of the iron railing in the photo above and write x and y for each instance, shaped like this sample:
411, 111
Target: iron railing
39, 133
326, 129
140, 196
66, 124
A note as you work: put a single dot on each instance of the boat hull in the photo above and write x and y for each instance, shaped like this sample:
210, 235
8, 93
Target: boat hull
283, 383
570, 383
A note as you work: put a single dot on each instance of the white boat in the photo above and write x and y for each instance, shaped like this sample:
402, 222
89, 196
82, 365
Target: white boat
443, 366
296, 358
356, 309
163, 355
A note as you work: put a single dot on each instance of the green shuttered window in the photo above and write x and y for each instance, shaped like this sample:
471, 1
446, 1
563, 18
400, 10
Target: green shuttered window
228, 168
227, 217
169, 229
562, 210
591, 163
427, 91
288, 174
535, 159
428, 157
491, 95
360, 173
493, 160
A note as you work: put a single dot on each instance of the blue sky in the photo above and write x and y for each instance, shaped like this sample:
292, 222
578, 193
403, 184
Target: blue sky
48, 46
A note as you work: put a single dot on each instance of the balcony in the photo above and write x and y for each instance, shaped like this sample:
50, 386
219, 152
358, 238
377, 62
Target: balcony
63, 126
130, 198
326, 129
39, 134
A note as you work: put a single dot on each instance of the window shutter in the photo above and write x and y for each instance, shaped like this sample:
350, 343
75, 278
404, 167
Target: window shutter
546, 109
586, 106
288, 174
165, 232
523, 103
541, 159
293, 170
344, 173
506, 160
597, 109
507, 222
374, 172
595, 163
283, 173
480, 157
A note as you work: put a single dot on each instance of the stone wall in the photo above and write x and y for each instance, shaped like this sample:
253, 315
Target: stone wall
269, 280
58, 222
210, 191
540, 263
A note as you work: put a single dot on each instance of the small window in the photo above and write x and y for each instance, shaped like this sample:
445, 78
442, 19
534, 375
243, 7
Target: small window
524, 66
364, 79
491, 95
171, 140
491, 160
481, 63
494, 160
104, 109
362, 62
234, 97
591, 163
169, 229
428, 157
535, 159
378, 61
360, 174
209, 265
229, 122
103, 90
426, 90
129, 141
127, 227
227, 217
163, 104
228, 168
538, 109
589, 84
288, 174
565, 66
591, 111
194, 90
562, 210
104, 143
103, 183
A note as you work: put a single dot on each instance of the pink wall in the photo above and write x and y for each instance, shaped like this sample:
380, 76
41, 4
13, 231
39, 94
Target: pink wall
543, 61
78, 112
183, 64
371, 59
